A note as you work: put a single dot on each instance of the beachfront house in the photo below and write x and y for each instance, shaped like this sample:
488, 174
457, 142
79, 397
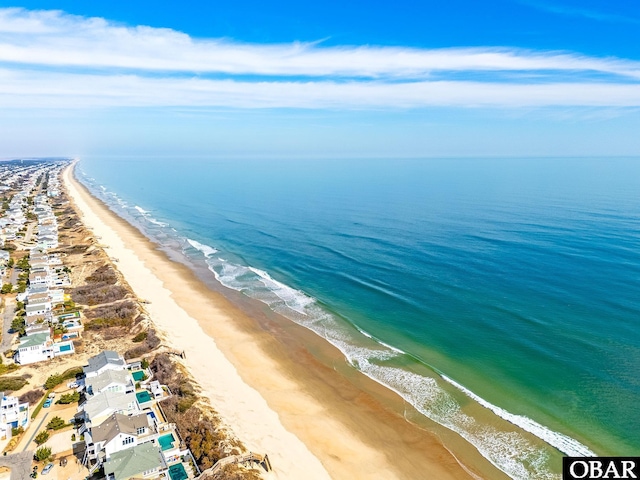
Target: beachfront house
107, 360
39, 278
38, 346
118, 432
98, 407
13, 414
142, 461
119, 381
33, 348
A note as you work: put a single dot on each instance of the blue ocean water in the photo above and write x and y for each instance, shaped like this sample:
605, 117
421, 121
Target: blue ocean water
474, 288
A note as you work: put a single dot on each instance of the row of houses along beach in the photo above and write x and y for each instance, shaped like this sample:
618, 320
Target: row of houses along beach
89, 388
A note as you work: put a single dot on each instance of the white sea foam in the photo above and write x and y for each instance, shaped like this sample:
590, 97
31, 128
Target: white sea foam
206, 250
157, 222
511, 452
147, 215
565, 444
294, 299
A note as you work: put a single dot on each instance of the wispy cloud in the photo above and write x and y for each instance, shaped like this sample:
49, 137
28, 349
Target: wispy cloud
50, 58
81, 91
568, 10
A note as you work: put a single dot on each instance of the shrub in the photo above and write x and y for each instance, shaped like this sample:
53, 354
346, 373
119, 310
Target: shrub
68, 398
32, 396
42, 437
17, 431
56, 423
104, 274
98, 294
7, 368
151, 342
140, 337
53, 381
43, 453
6, 288
114, 315
57, 378
120, 311
11, 384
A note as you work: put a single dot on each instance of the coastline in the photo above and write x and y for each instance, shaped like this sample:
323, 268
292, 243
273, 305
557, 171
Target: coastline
262, 386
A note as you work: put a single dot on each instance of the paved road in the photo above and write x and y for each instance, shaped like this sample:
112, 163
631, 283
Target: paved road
29, 232
35, 431
19, 463
7, 318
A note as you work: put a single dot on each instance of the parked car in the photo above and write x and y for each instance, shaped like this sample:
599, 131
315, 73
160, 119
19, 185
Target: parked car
48, 403
47, 468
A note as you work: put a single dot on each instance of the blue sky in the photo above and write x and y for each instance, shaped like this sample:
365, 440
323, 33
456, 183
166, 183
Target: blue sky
350, 78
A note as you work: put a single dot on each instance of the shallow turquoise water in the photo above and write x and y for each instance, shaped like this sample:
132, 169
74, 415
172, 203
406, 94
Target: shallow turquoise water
515, 279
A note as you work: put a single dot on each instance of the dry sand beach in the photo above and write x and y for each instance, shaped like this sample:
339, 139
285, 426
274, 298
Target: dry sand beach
275, 396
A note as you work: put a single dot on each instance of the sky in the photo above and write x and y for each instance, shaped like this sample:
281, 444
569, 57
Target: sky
320, 79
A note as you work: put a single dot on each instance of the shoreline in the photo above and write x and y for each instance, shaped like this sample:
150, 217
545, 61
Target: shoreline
261, 385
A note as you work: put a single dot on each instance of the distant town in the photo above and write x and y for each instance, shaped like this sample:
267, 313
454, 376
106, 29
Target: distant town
88, 388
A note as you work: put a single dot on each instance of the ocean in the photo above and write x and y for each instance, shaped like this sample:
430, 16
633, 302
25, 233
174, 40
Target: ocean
499, 297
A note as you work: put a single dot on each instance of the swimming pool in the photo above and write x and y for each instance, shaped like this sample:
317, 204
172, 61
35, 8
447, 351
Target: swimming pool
166, 441
143, 396
138, 375
177, 472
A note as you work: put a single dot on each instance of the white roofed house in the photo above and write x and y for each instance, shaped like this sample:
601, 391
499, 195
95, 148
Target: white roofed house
34, 348
98, 407
118, 432
37, 310
37, 346
39, 278
106, 360
117, 381
38, 304
57, 296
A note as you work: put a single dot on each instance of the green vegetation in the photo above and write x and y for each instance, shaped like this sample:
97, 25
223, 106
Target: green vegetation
68, 398
42, 437
11, 384
59, 330
18, 325
43, 453
11, 263
142, 336
6, 288
17, 431
7, 368
57, 378
56, 423
36, 410
23, 264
